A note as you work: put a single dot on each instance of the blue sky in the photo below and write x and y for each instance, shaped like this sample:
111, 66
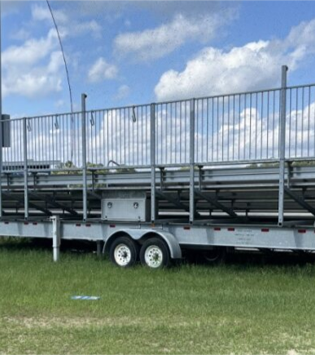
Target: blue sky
123, 53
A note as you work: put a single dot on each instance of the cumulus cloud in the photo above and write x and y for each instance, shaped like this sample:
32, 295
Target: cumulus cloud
34, 84
21, 35
41, 13
254, 65
86, 27
160, 41
102, 70
33, 68
31, 51
68, 26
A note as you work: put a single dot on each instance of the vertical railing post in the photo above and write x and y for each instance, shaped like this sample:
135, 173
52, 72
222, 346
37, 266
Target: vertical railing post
84, 166
153, 163
56, 237
282, 132
192, 161
25, 168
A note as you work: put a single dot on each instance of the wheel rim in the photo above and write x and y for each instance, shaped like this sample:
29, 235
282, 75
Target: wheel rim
153, 256
122, 254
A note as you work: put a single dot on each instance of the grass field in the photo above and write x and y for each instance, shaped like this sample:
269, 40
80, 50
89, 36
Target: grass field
238, 308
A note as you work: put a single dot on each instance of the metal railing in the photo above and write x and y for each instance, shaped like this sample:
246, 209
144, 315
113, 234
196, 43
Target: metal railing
234, 128
238, 127
300, 122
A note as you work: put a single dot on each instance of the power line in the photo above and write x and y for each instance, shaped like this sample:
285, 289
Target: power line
67, 74
63, 54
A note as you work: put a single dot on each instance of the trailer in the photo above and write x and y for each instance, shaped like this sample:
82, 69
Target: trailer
148, 182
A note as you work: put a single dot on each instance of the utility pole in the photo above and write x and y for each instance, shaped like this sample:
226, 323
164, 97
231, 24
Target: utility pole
1, 127
0, 65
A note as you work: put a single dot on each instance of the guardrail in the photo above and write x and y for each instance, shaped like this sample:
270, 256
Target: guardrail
234, 128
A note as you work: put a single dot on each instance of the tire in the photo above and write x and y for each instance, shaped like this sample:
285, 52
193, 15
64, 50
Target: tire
155, 254
214, 256
124, 252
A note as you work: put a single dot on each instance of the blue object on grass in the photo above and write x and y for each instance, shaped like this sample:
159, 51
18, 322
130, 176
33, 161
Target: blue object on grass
88, 298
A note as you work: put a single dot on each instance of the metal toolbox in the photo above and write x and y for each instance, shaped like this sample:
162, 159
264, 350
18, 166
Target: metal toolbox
125, 206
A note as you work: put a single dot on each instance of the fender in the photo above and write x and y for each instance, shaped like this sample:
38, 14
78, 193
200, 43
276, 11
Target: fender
138, 234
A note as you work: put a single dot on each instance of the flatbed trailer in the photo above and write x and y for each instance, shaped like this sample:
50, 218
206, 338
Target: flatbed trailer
147, 182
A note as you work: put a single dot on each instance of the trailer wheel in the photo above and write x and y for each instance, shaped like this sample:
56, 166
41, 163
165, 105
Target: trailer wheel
214, 256
124, 252
155, 254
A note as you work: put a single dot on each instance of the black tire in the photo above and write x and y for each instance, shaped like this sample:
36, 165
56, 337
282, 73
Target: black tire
124, 252
155, 254
214, 256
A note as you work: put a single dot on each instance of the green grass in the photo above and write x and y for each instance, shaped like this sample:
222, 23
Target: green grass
193, 309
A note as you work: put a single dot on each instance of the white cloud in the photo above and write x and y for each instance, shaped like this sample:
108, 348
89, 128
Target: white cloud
41, 13
55, 63
33, 69
158, 42
91, 27
255, 65
123, 92
60, 103
31, 51
21, 35
37, 82
102, 70
67, 25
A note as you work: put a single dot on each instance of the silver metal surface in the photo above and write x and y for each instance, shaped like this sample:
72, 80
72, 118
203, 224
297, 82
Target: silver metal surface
153, 162
238, 189
299, 238
176, 236
84, 162
56, 237
232, 169
227, 155
125, 206
192, 162
6, 134
282, 135
232, 129
25, 169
